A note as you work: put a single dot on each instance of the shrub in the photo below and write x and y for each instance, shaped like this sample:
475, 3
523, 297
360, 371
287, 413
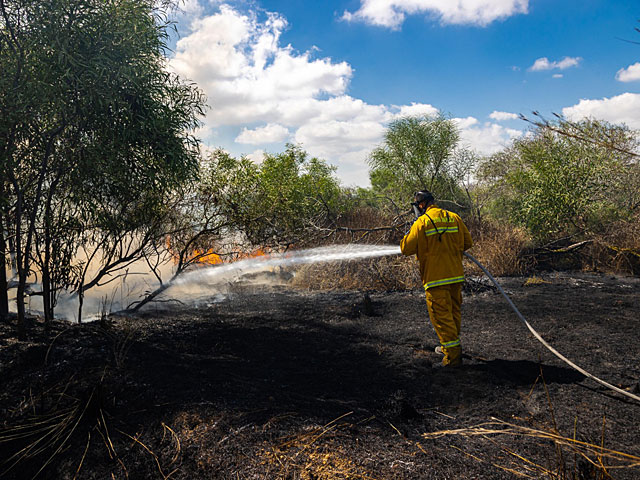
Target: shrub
556, 185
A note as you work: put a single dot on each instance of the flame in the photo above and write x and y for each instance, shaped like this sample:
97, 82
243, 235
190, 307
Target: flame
208, 257
258, 252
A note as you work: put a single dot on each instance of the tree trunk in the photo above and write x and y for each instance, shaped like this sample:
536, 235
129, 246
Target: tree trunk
80, 300
22, 277
22, 329
46, 293
4, 295
46, 264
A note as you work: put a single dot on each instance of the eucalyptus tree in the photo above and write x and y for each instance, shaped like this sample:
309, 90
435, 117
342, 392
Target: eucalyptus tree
417, 153
283, 200
96, 132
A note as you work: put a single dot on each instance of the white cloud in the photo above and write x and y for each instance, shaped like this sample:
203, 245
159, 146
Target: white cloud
557, 75
416, 110
256, 156
623, 108
186, 11
502, 116
246, 74
465, 123
544, 64
391, 13
486, 138
270, 133
629, 74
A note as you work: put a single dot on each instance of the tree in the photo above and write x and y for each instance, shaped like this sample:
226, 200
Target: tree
284, 200
296, 195
96, 133
557, 185
417, 153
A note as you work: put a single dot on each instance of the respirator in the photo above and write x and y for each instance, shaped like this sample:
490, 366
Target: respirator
417, 211
422, 196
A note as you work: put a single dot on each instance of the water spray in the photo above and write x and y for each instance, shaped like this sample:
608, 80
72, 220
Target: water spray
332, 253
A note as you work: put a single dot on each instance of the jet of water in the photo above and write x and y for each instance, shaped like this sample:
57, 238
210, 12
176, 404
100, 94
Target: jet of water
331, 253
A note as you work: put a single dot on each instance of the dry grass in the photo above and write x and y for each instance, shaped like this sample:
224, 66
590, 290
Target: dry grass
599, 461
363, 226
500, 248
535, 280
315, 454
617, 250
384, 273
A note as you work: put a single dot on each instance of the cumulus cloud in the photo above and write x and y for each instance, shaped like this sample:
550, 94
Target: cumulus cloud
246, 73
544, 64
270, 133
502, 116
256, 156
485, 138
629, 74
623, 108
416, 110
391, 13
465, 123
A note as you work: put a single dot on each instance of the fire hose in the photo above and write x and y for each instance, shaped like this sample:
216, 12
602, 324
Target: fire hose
543, 341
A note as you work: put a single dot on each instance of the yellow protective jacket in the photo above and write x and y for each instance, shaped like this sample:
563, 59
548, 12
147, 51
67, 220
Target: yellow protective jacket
438, 238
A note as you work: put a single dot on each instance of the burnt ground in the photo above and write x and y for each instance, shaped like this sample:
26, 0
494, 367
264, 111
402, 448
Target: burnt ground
275, 383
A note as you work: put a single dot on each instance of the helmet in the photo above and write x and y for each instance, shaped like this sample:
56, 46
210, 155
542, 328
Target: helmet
421, 197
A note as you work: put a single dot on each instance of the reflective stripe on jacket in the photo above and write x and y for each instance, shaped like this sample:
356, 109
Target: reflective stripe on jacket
438, 238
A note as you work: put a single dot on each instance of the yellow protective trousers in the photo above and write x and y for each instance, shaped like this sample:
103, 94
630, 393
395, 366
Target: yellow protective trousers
444, 304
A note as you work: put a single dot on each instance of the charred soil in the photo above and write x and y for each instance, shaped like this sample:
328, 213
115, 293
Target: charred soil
275, 383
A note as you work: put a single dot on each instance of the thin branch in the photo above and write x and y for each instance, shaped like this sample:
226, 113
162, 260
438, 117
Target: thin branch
546, 124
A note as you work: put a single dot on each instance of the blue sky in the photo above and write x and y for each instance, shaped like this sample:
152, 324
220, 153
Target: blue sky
331, 75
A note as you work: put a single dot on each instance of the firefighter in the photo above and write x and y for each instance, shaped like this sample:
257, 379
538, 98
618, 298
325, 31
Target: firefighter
438, 238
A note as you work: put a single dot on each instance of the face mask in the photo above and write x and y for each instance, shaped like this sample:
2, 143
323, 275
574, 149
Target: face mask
417, 211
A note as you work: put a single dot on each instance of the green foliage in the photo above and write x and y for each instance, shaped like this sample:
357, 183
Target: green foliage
558, 184
96, 132
285, 199
418, 153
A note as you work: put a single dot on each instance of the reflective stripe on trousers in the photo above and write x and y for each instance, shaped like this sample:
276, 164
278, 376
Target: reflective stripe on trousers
455, 343
444, 281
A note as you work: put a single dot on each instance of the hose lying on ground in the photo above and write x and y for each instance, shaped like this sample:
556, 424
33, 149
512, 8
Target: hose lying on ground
543, 341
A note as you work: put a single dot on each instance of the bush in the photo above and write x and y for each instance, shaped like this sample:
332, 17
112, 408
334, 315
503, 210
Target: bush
557, 185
